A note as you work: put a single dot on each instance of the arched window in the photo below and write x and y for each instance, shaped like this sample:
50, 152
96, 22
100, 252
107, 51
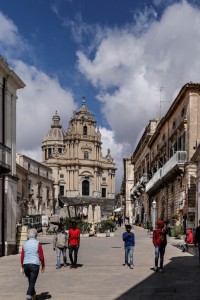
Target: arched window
85, 188
85, 130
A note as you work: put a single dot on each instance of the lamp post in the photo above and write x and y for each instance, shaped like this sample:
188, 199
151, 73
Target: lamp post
65, 209
154, 214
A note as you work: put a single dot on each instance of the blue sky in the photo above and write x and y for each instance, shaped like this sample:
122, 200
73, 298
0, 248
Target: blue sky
118, 54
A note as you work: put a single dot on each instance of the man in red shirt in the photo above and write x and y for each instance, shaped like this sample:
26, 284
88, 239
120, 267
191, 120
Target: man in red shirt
73, 244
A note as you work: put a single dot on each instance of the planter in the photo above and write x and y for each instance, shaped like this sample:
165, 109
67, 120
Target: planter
84, 235
101, 234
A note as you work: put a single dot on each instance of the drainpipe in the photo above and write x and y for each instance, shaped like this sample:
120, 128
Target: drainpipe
3, 177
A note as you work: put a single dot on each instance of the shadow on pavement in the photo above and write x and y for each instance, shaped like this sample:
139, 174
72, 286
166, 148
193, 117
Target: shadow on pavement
43, 296
179, 280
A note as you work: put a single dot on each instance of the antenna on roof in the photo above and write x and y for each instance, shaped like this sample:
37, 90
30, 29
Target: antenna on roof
161, 90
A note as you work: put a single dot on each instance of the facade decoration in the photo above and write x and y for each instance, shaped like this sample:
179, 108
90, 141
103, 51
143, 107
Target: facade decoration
9, 84
35, 188
82, 176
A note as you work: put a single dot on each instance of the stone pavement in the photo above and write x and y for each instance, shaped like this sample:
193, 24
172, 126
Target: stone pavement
101, 274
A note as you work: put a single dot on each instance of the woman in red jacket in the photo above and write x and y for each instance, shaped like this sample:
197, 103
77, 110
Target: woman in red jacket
159, 241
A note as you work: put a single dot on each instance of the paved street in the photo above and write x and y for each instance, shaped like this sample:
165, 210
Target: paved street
101, 274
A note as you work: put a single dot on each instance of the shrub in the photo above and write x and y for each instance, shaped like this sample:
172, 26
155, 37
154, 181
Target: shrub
84, 226
179, 230
104, 226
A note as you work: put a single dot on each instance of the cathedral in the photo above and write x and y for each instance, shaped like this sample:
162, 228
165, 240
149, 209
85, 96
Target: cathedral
82, 175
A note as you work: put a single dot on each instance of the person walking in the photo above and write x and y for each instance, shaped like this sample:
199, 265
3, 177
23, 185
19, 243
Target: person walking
159, 241
197, 239
74, 244
129, 243
31, 258
60, 245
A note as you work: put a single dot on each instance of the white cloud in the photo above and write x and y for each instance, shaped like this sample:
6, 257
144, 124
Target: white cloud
37, 104
117, 150
129, 70
11, 42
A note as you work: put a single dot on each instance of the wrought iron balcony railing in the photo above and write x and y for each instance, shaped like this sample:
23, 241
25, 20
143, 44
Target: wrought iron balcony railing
5, 159
179, 158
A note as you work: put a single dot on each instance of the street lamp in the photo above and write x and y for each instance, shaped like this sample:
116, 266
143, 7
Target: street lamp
65, 208
154, 214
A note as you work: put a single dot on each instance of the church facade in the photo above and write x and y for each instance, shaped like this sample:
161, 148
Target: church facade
82, 175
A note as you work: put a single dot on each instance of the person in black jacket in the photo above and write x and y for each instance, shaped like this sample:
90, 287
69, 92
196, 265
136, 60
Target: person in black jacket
197, 239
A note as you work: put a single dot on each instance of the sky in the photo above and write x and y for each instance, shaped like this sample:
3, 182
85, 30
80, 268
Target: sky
128, 58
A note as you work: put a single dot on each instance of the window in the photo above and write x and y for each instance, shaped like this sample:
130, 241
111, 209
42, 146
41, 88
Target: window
174, 125
85, 130
86, 155
183, 112
85, 188
49, 152
103, 192
103, 178
61, 175
60, 150
62, 191
29, 187
29, 167
48, 194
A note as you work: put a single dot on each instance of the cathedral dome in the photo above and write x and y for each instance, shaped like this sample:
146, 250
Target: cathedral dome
56, 132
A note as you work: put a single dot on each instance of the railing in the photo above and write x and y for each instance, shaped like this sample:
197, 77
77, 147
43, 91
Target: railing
180, 157
5, 157
154, 179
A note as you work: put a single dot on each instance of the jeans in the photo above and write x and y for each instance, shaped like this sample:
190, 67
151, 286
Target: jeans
75, 250
159, 252
58, 254
129, 252
31, 271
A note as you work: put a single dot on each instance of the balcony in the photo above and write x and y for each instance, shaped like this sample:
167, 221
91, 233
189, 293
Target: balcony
5, 159
157, 176
177, 160
180, 157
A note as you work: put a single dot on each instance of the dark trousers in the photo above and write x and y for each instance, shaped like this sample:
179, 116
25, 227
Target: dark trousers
75, 250
31, 271
159, 252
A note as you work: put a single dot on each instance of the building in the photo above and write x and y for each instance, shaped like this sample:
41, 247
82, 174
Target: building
35, 187
141, 161
165, 159
82, 176
9, 84
128, 184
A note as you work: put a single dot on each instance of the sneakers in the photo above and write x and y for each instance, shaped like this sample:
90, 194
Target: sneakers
131, 266
155, 269
160, 270
125, 265
57, 267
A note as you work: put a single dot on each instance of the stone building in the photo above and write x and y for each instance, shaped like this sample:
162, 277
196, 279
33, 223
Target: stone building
81, 174
9, 84
165, 159
127, 186
35, 187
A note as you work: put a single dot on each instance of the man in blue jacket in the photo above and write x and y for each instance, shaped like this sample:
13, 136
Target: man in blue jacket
129, 243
